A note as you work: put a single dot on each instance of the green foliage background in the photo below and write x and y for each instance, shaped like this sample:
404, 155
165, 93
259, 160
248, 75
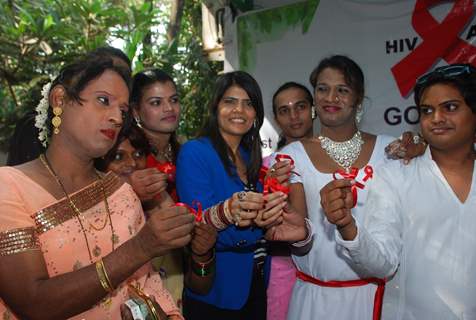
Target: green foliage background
38, 37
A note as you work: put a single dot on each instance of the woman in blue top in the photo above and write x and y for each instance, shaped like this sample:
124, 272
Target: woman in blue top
221, 169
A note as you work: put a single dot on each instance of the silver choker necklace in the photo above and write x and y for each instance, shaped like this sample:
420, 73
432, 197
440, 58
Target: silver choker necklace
343, 153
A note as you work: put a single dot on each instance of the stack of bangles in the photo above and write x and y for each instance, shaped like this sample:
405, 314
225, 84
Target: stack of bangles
219, 216
203, 269
103, 277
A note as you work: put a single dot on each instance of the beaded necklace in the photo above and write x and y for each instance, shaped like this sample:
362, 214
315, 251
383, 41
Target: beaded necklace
78, 213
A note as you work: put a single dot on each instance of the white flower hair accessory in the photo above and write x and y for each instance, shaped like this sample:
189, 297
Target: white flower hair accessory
42, 115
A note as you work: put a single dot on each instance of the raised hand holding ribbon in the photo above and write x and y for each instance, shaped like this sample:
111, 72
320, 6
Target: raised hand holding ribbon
198, 213
337, 202
167, 167
351, 175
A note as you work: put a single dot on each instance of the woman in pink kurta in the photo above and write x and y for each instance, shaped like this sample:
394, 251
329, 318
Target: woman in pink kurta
51, 226
73, 241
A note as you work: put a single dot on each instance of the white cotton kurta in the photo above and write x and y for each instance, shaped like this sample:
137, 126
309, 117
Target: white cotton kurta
326, 261
414, 222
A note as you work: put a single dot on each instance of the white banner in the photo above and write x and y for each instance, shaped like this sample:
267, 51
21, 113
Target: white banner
394, 42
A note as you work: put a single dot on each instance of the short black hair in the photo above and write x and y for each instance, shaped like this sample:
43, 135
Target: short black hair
464, 82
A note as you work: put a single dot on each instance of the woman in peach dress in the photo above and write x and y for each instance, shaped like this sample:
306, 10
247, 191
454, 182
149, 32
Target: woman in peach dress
73, 241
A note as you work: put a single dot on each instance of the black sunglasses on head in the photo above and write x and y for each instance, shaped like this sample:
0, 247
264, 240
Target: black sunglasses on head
449, 71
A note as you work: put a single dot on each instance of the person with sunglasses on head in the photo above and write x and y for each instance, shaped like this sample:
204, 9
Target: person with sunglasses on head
418, 231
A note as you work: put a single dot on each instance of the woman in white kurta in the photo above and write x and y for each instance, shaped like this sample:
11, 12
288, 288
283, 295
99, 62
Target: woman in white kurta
325, 261
339, 90
420, 219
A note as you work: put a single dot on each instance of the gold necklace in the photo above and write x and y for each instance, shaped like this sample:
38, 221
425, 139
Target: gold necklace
166, 154
76, 210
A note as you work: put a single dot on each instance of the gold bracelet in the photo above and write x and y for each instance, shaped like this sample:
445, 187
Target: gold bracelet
103, 277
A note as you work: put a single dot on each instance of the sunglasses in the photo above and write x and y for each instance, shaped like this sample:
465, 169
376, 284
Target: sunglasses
447, 72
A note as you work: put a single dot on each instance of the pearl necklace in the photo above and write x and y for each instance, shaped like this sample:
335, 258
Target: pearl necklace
343, 153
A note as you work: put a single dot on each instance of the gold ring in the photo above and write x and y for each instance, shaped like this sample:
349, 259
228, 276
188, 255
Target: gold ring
241, 195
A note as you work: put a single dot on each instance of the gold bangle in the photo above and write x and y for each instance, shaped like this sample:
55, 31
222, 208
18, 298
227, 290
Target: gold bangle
103, 277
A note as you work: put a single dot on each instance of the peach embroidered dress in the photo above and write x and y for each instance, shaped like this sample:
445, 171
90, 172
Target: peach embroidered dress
32, 219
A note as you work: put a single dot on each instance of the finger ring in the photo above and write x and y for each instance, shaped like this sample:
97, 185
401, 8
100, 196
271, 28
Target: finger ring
237, 218
241, 195
272, 170
416, 139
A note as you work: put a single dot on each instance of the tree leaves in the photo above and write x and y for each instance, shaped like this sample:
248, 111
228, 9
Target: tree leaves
38, 37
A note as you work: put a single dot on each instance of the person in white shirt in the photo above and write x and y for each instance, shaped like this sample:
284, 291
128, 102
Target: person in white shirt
419, 220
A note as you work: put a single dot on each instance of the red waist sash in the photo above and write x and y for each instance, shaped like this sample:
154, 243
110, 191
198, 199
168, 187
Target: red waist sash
378, 300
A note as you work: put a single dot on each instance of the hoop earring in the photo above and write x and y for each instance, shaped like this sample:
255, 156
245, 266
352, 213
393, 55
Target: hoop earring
313, 113
359, 114
138, 122
56, 121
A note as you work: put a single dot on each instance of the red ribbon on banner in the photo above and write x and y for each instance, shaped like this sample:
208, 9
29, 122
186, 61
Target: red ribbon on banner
440, 40
197, 213
351, 174
167, 167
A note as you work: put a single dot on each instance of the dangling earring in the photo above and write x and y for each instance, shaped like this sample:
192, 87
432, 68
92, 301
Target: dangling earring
359, 114
254, 124
138, 123
313, 113
56, 121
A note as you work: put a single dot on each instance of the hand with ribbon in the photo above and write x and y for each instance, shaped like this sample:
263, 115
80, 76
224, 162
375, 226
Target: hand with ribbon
276, 178
166, 229
244, 207
337, 200
167, 167
273, 210
198, 213
148, 183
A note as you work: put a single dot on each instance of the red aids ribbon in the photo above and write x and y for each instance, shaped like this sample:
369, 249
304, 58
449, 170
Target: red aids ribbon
369, 173
167, 167
351, 175
197, 213
280, 157
440, 40
271, 184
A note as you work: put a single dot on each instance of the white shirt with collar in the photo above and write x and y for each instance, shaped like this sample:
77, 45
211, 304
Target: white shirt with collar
415, 225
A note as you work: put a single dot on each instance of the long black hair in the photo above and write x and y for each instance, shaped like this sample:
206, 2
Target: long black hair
142, 80
251, 141
283, 87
